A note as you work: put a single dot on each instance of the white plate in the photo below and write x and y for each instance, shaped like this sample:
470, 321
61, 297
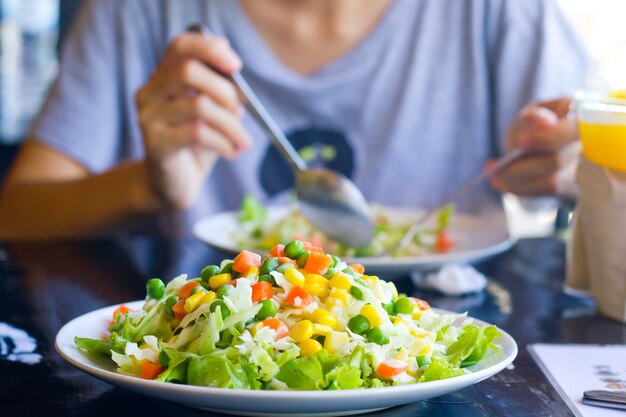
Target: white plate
476, 238
267, 403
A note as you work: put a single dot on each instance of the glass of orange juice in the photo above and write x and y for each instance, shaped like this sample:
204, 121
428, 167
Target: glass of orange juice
602, 124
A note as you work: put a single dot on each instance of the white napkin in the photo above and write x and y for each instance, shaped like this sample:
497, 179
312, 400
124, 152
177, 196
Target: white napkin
452, 280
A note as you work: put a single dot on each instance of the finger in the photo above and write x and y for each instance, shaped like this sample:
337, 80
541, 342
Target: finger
197, 134
201, 107
560, 106
213, 51
539, 128
528, 169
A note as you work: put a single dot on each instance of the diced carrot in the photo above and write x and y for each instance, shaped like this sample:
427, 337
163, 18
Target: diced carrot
317, 263
277, 251
284, 260
246, 260
185, 290
121, 310
358, 268
150, 370
444, 242
179, 309
390, 368
421, 304
313, 248
262, 291
299, 297
232, 282
281, 328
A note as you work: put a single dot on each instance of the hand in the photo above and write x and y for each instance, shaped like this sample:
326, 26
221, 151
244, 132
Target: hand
189, 116
544, 130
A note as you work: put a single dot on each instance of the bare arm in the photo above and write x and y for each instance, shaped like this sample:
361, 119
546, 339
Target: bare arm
47, 195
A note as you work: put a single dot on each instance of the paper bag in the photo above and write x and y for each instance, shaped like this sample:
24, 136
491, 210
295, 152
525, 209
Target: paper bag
597, 250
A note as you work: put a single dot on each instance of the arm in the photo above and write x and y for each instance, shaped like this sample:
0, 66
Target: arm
47, 195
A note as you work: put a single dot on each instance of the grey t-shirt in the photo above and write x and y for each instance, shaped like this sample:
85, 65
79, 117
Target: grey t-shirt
414, 110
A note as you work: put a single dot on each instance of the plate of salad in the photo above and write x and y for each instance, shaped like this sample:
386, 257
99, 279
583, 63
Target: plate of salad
279, 335
448, 238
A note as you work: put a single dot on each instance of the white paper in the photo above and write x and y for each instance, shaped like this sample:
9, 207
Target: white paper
574, 369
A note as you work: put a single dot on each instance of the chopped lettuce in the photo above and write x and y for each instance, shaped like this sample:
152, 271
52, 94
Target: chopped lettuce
216, 370
472, 345
440, 368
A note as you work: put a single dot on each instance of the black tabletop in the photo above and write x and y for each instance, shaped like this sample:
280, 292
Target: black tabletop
43, 286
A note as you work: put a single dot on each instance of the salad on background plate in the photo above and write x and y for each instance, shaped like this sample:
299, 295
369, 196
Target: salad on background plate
295, 319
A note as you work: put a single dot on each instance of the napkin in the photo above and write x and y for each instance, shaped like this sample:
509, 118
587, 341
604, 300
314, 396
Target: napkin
452, 280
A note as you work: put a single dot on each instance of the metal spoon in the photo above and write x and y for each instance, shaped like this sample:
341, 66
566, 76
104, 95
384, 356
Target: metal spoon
329, 200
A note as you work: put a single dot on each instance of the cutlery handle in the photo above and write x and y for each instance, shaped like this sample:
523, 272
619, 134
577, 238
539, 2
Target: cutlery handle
260, 114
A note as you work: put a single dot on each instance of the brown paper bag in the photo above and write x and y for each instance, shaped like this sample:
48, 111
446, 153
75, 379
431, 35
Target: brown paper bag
597, 251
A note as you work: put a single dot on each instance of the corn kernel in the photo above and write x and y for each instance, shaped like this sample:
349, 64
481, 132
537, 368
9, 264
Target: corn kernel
341, 295
321, 329
419, 334
316, 285
208, 297
294, 277
340, 281
252, 272
254, 329
425, 350
193, 301
371, 314
218, 280
421, 346
309, 347
302, 330
417, 314
335, 341
370, 279
324, 317
402, 355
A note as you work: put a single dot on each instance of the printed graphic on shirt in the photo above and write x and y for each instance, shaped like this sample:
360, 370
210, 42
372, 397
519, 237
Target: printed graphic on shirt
318, 148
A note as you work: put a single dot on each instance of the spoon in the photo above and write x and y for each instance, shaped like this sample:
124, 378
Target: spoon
327, 198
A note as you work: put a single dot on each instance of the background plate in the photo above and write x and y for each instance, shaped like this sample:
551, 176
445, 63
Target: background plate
476, 238
267, 403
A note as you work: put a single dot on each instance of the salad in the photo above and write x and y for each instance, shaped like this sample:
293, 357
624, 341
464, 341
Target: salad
295, 319
256, 231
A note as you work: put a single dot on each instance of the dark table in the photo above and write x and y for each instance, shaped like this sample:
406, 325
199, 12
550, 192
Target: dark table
42, 286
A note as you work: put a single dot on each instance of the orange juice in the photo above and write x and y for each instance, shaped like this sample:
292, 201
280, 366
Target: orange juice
603, 131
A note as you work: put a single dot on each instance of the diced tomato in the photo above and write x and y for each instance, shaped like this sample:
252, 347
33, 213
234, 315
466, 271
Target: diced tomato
390, 368
150, 370
421, 304
185, 290
299, 297
179, 309
444, 242
121, 310
281, 328
262, 291
277, 251
317, 263
284, 260
358, 268
246, 260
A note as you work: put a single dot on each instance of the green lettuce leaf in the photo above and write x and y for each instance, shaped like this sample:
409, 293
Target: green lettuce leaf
217, 371
93, 346
304, 373
440, 368
252, 212
155, 322
177, 367
471, 345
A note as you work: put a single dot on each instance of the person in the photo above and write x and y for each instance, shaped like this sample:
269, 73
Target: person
409, 98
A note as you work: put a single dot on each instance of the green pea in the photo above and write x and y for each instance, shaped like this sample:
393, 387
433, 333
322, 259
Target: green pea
331, 272
268, 278
336, 260
224, 290
284, 267
302, 258
389, 308
350, 272
269, 265
359, 324
377, 336
155, 288
422, 360
403, 305
293, 249
198, 289
268, 309
356, 292
208, 271
164, 360
228, 268
225, 311
171, 300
